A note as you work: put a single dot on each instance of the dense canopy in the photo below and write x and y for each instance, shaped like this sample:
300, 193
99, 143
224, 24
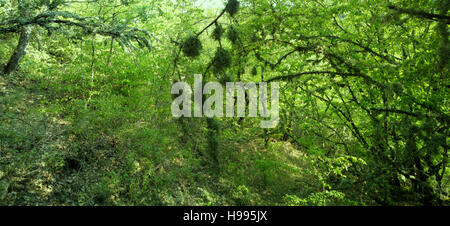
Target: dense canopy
85, 102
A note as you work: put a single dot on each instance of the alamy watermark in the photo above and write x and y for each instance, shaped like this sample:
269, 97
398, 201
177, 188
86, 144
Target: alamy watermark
213, 106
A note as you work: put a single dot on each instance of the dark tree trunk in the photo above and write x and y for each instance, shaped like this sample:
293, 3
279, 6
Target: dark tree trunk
20, 50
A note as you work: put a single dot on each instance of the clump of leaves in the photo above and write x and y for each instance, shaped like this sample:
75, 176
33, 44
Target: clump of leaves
397, 87
232, 35
222, 59
218, 32
254, 71
213, 142
232, 7
213, 124
192, 46
241, 195
226, 78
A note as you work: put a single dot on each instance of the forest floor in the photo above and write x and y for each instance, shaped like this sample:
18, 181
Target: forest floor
50, 156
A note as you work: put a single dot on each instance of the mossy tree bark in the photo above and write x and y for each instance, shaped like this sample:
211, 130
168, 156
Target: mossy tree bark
20, 50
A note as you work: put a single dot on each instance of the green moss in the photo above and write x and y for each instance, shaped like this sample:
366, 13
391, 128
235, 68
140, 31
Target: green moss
192, 46
218, 32
232, 7
222, 59
233, 35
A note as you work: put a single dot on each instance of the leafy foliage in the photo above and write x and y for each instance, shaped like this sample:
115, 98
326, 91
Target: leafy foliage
364, 112
192, 46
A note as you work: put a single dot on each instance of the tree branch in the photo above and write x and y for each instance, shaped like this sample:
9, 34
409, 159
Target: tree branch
421, 14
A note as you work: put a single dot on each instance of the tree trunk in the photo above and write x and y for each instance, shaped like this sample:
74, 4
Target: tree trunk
20, 50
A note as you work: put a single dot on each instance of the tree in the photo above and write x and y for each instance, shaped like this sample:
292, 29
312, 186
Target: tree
24, 15
355, 66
